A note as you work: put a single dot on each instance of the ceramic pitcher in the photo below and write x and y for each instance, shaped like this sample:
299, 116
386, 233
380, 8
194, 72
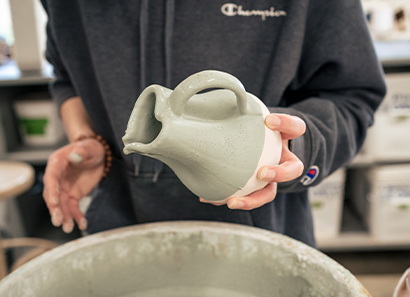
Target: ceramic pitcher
209, 131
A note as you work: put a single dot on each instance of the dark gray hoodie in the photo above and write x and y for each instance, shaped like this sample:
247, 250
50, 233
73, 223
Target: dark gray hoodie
309, 58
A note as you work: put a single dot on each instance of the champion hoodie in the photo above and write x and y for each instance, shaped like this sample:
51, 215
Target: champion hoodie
307, 58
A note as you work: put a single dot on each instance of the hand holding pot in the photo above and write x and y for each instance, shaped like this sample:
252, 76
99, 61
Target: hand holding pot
289, 168
71, 173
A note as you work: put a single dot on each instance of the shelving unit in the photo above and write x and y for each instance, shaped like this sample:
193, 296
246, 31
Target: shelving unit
387, 144
400, 48
32, 155
13, 82
357, 241
367, 161
10, 75
355, 237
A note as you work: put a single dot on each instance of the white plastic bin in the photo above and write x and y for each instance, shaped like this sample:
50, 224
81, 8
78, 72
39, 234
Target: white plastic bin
389, 198
389, 137
326, 200
39, 122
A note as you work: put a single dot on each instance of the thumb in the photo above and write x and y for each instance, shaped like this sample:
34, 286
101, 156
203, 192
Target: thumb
86, 150
77, 155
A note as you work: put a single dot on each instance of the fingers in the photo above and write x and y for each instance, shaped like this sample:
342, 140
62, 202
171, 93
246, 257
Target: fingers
290, 167
211, 202
61, 214
52, 191
289, 126
66, 212
77, 214
65, 182
254, 200
56, 216
63, 207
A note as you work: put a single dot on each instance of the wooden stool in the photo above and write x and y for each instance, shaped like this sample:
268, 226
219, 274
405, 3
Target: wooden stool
15, 179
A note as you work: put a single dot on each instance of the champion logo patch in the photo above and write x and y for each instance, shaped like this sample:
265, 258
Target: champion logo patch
310, 176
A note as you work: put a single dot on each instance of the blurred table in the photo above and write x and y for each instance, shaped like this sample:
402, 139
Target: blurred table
15, 179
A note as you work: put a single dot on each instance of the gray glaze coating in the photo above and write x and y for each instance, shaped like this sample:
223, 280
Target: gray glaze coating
183, 259
212, 140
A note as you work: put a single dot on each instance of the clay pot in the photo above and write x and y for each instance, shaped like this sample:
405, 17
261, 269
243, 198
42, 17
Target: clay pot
215, 141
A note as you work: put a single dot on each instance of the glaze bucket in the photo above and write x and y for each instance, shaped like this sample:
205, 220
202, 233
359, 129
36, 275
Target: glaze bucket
183, 259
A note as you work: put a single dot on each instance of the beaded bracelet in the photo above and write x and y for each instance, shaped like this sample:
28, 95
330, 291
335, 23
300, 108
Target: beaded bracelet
108, 153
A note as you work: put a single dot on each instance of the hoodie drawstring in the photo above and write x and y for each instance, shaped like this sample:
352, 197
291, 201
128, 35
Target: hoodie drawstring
169, 27
143, 58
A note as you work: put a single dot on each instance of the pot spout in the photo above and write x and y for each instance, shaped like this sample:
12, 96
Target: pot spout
143, 127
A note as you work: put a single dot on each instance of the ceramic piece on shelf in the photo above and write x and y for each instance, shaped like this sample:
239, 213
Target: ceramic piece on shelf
215, 141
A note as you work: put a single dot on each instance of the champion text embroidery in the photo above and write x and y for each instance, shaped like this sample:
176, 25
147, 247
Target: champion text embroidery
231, 9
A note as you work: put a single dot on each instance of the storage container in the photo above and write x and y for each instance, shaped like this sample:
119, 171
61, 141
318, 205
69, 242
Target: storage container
382, 197
326, 200
39, 122
389, 137
390, 202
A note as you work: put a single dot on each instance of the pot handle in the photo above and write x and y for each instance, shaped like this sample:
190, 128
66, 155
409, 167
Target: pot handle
206, 80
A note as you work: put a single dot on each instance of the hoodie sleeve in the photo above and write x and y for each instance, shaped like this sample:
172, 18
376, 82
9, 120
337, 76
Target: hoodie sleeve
61, 88
338, 87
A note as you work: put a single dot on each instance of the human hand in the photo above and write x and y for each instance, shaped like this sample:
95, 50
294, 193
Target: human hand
290, 167
71, 173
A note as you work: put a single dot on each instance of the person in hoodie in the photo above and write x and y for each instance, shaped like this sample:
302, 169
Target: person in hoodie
313, 65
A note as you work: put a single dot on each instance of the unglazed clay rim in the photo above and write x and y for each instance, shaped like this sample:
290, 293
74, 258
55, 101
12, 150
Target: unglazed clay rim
267, 156
310, 255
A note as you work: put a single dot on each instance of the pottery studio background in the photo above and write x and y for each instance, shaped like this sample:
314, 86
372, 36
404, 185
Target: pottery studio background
361, 213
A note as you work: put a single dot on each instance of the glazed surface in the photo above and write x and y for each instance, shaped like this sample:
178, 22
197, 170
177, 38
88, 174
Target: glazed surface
213, 140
